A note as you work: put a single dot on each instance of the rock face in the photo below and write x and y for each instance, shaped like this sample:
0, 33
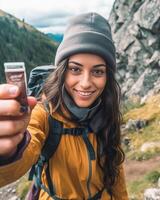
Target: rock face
136, 32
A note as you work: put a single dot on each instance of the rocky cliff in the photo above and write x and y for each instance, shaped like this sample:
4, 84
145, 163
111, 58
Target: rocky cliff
136, 32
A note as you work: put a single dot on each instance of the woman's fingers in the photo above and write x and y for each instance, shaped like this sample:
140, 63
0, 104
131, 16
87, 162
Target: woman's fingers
8, 91
9, 144
8, 104
32, 101
12, 126
10, 107
14, 118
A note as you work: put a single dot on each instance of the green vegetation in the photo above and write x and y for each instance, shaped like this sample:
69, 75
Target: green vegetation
23, 187
136, 188
139, 156
20, 42
153, 177
150, 111
150, 133
130, 105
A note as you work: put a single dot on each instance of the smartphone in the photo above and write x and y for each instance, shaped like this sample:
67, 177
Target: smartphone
15, 74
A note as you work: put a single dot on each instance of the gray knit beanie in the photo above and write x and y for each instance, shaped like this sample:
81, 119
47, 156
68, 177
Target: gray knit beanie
88, 33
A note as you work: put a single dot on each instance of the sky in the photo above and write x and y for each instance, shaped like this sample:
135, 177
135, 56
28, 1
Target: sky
51, 16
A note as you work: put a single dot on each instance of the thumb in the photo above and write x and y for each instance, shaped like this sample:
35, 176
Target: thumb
32, 101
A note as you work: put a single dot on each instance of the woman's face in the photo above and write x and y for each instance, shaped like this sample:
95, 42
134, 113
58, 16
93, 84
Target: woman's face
85, 78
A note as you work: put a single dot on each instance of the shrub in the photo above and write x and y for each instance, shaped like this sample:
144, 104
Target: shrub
153, 176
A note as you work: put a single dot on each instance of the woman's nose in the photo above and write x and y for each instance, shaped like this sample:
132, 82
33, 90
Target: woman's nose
85, 81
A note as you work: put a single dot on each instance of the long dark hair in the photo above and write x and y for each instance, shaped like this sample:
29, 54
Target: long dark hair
109, 136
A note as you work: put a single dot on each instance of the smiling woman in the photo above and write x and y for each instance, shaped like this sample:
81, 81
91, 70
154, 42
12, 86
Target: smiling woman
85, 78
78, 119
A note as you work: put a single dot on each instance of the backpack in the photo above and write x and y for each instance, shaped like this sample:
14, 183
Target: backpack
36, 80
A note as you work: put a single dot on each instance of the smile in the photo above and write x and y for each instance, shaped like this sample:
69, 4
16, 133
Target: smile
85, 94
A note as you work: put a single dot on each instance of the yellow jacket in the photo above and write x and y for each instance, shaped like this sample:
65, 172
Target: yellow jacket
73, 174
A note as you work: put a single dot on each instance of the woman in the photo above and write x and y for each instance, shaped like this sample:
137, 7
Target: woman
82, 92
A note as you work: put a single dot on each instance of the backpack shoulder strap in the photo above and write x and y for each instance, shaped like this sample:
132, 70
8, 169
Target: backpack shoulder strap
49, 148
54, 135
53, 139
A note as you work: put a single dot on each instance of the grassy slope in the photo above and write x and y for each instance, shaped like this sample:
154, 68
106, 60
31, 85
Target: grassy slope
150, 111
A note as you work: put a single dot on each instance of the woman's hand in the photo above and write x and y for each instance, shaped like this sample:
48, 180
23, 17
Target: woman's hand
14, 119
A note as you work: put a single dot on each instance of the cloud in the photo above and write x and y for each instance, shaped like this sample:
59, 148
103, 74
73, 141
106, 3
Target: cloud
52, 29
53, 14
51, 19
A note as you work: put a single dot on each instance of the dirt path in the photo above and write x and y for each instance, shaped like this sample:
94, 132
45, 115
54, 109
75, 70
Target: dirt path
135, 169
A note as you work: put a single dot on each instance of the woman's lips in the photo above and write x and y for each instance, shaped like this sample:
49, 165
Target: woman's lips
84, 93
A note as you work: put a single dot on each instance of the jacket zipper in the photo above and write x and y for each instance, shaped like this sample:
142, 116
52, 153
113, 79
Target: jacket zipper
89, 174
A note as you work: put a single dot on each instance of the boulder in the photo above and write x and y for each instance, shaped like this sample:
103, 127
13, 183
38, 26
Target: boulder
150, 146
135, 125
158, 182
152, 194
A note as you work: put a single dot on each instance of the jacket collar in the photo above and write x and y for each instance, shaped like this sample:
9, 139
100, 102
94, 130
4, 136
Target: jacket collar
91, 117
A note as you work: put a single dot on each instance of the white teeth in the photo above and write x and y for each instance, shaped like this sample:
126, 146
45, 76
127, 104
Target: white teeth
85, 93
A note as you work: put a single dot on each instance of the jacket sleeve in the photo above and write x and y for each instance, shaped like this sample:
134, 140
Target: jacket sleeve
20, 149
120, 190
38, 128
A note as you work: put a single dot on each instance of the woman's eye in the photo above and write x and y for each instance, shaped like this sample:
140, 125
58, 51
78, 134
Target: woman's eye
98, 72
74, 69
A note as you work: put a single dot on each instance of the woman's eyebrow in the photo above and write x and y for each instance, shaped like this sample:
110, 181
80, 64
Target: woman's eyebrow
76, 63
100, 65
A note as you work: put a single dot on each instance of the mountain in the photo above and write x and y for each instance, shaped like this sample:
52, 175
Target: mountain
135, 26
55, 37
20, 42
136, 31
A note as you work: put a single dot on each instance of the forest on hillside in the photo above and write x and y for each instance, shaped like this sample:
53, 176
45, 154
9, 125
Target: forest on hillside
19, 44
